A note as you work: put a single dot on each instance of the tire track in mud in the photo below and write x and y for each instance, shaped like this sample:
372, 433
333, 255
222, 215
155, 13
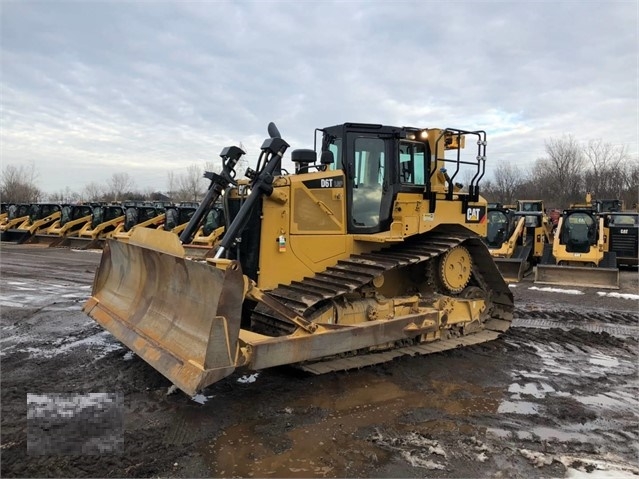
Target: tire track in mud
605, 316
617, 323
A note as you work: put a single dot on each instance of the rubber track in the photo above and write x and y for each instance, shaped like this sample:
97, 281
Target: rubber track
348, 275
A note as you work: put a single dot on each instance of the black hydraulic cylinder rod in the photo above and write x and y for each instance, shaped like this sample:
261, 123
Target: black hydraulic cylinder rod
230, 156
272, 152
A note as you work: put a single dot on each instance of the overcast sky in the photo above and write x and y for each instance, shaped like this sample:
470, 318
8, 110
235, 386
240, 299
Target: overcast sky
90, 89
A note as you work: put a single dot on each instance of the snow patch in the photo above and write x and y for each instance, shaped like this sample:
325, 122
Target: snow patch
101, 343
619, 295
201, 398
128, 356
538, 459
606, 467
251, 378
557, 290
414, 448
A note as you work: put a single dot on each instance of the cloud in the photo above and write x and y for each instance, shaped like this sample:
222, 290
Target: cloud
95, 88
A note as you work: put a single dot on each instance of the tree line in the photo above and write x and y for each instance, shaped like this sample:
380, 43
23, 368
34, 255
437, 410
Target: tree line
18, 184
566, 172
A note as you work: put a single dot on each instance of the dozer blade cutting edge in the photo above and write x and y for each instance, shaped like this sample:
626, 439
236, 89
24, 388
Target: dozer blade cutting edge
589, 277
180, 316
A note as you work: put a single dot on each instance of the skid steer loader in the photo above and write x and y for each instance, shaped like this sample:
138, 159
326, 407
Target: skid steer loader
72, 219
178, 216
138, 215
372, 253
16, 215
578, 255
41, 216
104, 219
516, 239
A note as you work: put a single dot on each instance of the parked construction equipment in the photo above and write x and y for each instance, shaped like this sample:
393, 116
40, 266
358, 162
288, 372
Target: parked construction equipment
72, 219
138, 215
177, 216
16, 214
579, 254
41, 215
622, 231
373, 253
104, 219
516, 239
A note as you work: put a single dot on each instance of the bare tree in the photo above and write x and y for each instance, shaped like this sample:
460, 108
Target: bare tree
630, 180
507, 180
18, 184
191, 185
171, 183
93, 192
604, 164
119, 185
559, 174
64, 196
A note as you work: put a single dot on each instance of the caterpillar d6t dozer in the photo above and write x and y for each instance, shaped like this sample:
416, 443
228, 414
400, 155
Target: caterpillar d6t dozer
516, 239
578, 255
371, 253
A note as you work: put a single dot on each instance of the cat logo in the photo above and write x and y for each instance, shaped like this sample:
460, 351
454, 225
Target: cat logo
475, 214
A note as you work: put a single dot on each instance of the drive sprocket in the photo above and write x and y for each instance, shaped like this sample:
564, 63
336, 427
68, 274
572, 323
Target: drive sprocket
453, 270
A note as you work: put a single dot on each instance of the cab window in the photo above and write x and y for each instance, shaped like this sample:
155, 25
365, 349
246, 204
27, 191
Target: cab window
368, 181
412, 163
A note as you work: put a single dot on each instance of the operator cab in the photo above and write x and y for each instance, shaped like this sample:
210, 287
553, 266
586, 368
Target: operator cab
500, 227
381, 161
579, 231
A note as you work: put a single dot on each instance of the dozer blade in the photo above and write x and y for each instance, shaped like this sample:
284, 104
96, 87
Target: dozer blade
182, 317
512, 269
589, 277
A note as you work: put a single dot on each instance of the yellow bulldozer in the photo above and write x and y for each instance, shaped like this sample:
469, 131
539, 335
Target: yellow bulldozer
371, 253
516, 237
579, 254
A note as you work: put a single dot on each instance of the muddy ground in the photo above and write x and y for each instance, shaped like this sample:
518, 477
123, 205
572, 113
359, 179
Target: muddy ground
555, 396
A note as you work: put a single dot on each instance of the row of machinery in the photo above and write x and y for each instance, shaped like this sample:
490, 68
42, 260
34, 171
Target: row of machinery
516, 237
584, 248
84, 226
591, 242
